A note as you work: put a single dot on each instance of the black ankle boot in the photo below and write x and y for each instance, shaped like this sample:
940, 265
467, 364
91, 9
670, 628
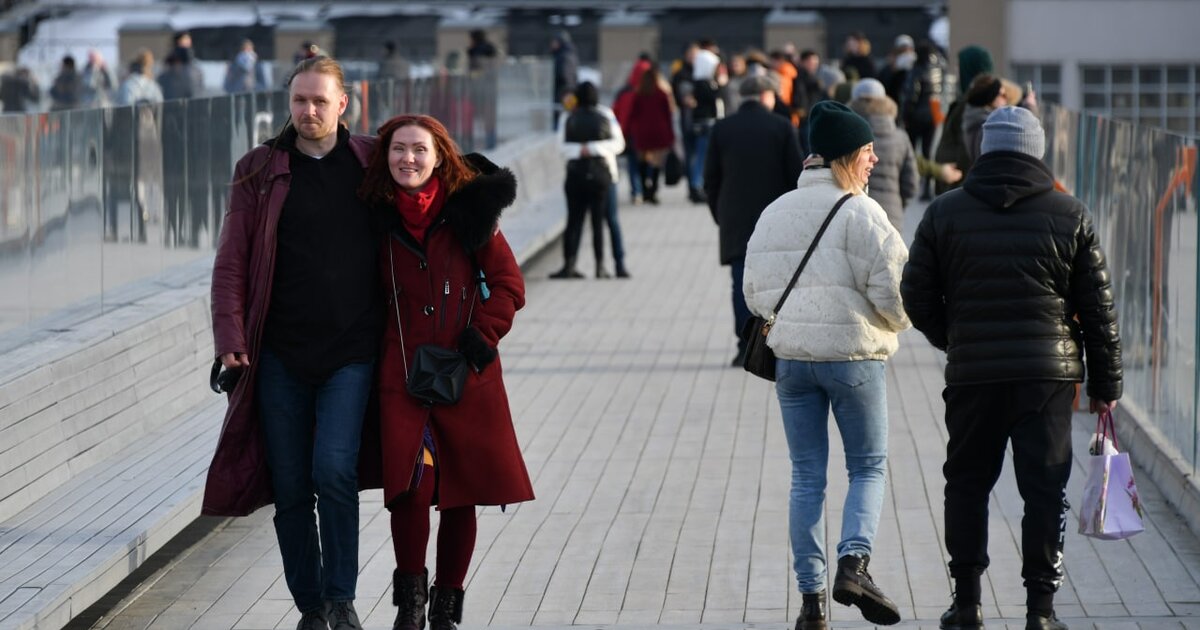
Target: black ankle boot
853, 586
812, 612
410, 593
445, 608
1034, 621
568, 271
962, 617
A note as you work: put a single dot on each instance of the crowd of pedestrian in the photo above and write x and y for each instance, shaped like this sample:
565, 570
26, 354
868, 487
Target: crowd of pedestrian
381, 247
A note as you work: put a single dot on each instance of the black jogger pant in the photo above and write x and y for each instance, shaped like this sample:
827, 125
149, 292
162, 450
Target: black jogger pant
981, 420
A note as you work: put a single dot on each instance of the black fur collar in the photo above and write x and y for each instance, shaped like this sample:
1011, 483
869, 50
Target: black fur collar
474, 210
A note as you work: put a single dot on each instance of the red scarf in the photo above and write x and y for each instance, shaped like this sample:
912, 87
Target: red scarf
418, 211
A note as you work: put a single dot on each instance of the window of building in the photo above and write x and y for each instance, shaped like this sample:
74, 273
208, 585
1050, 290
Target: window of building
1045, 78
1160, 95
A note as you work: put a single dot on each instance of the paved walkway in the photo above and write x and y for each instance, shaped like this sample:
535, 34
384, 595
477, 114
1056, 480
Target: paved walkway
662, 481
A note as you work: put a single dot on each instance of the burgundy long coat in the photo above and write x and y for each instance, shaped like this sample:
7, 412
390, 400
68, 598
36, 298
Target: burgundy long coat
238, 479
478, 458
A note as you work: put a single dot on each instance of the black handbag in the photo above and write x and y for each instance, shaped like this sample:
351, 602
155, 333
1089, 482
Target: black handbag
672, 168
759, 359
438, 375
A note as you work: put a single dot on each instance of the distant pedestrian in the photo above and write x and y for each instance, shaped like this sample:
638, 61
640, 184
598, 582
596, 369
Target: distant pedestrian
972, 61
19, 91
985, 96
857, 62
708, 109
753, 158
481, 54
921, 102
451, 281
67, 90
894, 179
1008, 278
684, 93
139, 86
186, 55
393, 66
651, 130
98, 81
566, 70
622, 108
590, 139
242, 71
832, 337
174, 80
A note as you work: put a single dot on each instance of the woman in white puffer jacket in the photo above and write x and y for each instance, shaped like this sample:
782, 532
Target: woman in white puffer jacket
831, 338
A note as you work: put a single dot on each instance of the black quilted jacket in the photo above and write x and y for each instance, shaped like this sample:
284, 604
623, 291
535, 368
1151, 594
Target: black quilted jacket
1006, 276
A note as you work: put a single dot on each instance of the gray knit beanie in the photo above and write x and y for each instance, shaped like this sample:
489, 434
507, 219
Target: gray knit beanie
1013, 129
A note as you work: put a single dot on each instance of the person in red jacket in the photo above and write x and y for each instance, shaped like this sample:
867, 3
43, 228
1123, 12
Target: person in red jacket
622, 107
451, 280
296, 309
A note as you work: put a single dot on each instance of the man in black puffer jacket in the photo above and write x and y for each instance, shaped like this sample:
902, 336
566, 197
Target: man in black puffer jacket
1006, 276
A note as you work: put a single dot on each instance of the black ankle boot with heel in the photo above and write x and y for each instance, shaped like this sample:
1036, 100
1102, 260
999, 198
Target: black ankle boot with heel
445, 608
410, 593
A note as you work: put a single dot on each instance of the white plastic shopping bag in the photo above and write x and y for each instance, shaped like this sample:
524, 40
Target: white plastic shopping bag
1110, 509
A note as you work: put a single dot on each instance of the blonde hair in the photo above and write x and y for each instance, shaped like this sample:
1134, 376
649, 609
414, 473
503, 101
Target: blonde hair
843, 171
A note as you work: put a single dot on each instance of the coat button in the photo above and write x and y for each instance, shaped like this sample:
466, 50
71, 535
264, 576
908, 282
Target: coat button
428, 310
422, 265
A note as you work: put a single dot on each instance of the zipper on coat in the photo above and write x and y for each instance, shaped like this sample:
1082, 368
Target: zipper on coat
445, 298
461, 301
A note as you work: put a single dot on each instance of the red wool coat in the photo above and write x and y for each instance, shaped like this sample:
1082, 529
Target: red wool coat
478, 458
238, 479
650, 121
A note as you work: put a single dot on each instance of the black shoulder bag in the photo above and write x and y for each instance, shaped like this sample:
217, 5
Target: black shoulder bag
760, 359
438, 375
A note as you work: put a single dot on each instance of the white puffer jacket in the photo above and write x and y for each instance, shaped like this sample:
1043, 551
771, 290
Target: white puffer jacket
846, 305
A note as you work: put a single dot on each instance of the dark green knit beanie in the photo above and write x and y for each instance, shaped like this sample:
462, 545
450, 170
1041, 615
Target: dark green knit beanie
835, 130
972, 61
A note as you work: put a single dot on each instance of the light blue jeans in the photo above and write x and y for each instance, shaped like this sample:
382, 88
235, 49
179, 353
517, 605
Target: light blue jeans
857, 393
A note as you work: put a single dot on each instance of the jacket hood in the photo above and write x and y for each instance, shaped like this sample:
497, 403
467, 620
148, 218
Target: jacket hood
974, 116
1003, 178
474, 210
880, 112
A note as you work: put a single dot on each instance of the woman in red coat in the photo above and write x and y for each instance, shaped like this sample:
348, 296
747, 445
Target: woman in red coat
651, 130
451, 280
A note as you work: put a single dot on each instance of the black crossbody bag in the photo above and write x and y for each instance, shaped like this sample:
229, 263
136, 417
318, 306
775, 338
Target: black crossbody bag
438, 375
760, 359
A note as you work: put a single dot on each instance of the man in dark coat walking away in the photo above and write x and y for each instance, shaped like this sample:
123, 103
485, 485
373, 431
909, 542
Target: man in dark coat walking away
753, 158
1007, 277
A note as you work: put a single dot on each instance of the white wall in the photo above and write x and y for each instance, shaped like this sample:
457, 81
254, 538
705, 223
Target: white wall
1076, 32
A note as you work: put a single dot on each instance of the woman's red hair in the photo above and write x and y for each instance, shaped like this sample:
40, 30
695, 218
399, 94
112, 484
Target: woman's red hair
378, 187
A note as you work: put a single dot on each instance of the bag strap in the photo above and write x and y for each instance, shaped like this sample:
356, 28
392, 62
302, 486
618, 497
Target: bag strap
480, 280
396, 304
807, 255
1106, 427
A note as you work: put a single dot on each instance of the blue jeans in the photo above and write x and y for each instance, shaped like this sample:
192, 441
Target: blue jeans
634, 166
857, 393
312, 435
614, 227
699, 154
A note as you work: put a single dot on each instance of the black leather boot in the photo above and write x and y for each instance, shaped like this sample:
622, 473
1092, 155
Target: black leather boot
445, 608
812, 612
962, 617
853, 586
1034, 621
410, 593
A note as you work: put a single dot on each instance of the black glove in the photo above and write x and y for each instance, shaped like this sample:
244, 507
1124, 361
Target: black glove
475, 349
